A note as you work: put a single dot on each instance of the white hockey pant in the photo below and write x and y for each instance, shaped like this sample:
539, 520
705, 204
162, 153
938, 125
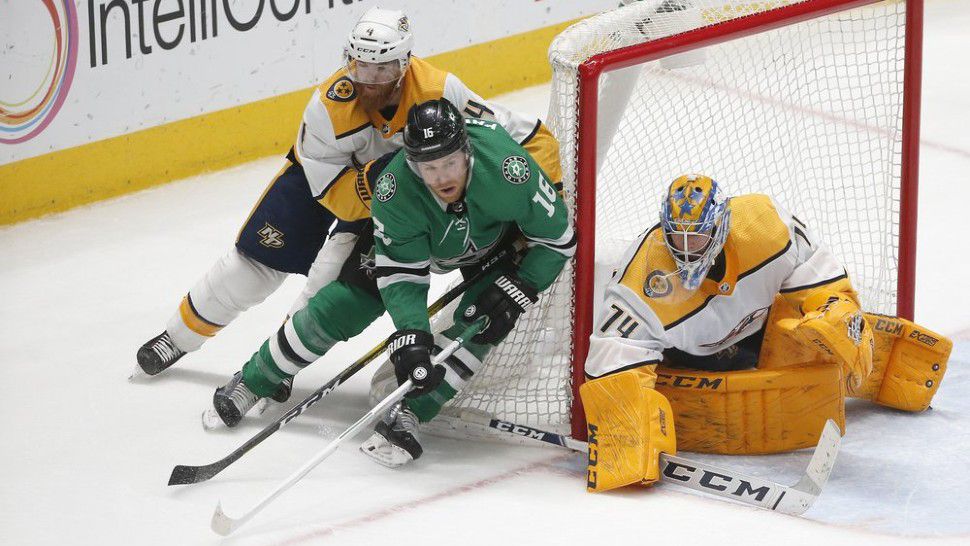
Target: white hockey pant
326, 267
232, 285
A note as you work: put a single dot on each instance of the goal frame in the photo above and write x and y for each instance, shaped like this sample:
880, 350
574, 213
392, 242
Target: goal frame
588, 76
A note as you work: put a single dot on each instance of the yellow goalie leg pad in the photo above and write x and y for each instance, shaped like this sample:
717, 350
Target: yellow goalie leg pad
753, 411
908, 364
629, 425
834, 325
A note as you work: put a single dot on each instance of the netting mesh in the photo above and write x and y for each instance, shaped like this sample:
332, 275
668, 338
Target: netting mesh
810, 113
527, 378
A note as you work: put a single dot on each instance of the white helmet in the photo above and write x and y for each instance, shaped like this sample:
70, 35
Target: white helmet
379, 46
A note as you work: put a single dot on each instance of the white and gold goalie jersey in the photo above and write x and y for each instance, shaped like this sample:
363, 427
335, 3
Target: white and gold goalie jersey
338, 137
767, 252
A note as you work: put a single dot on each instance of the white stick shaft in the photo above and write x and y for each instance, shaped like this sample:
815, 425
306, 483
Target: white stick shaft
223, 524
377, 410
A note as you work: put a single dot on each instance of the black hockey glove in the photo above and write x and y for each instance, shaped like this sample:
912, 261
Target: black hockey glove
411, 356
502, 302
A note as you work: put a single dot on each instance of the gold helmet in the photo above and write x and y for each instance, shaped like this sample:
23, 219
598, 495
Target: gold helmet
695, 217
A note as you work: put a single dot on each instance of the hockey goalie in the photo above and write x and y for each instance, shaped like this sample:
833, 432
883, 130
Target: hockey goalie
731, 319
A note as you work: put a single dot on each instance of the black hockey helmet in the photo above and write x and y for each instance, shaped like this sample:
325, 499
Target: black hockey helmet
434, 129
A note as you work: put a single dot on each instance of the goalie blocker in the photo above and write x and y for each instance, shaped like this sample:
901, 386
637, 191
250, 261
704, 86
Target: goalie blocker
629, 424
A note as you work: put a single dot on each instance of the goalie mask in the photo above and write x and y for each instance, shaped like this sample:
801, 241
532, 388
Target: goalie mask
379, 47
695, 218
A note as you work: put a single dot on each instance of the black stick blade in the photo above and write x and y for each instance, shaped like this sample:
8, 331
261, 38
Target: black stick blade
185, 475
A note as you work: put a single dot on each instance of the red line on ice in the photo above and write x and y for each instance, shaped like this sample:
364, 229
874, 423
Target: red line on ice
400, 508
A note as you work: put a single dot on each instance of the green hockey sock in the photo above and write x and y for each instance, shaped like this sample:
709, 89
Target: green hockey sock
427, 406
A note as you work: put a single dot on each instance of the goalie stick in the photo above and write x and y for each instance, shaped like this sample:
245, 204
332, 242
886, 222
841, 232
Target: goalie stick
188, 474
224, 525
788, 499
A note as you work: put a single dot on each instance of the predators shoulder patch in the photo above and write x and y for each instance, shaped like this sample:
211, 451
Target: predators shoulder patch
657, 285
342, 90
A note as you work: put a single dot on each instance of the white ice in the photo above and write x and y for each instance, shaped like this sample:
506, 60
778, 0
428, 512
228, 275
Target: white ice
85, 454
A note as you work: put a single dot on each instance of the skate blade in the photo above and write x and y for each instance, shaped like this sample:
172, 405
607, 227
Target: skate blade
211, 420
384, 453
138, 375
261, 406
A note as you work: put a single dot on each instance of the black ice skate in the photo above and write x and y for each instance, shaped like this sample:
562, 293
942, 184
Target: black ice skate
284, 391
158, 354
234, 401
230, 403
394, 442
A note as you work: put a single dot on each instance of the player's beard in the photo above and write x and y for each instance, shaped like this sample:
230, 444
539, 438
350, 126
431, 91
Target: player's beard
373, 97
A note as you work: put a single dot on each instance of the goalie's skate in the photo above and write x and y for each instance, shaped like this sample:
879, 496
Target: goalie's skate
394, 443
156, 355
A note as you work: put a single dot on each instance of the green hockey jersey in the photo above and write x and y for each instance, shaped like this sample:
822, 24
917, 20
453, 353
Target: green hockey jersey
416, 233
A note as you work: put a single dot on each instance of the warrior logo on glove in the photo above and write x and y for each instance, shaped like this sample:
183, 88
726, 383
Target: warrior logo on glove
502, 302
518, 296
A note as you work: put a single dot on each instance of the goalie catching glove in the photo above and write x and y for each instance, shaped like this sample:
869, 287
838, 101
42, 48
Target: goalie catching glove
834, 325
503, 302
411, 356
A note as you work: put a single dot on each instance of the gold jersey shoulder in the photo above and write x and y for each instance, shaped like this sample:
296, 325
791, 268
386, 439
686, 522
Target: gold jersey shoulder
422, 82
758, 236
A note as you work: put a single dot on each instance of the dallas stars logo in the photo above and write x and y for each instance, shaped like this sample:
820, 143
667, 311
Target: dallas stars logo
368, 264
385, 187
516, 169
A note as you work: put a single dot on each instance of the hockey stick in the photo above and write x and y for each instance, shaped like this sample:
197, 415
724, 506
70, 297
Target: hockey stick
187, 474
224, 525
791, 499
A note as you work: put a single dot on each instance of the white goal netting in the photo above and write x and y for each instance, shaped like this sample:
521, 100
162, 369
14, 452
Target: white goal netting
809, 112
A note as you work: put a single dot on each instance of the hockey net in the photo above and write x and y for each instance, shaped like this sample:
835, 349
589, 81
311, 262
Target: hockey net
814, 102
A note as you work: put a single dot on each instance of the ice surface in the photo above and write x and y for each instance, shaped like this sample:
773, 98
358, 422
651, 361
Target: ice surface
86, 455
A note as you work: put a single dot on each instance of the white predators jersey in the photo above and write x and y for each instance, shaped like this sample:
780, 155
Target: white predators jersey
767, 252
338, 136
